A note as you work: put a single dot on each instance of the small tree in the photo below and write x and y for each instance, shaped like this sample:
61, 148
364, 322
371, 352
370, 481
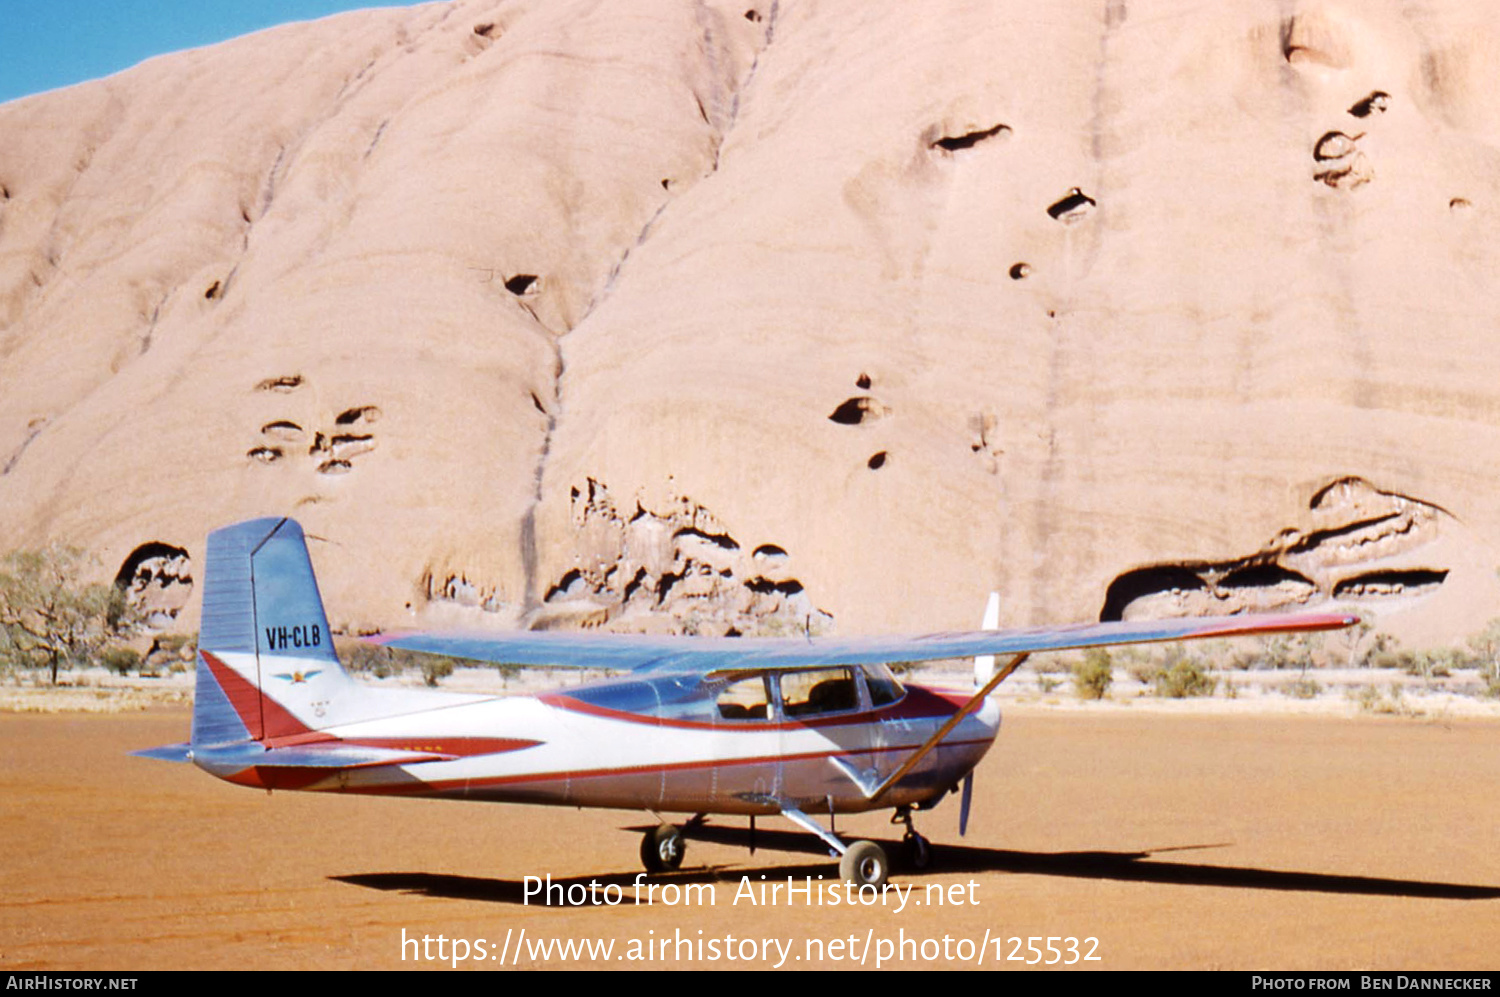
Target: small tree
49, 617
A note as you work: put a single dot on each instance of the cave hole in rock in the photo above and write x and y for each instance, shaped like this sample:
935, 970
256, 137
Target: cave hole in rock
213, 291
665, 585
764, 586
720, 540
769, 552
1020, 271
876, 461
266, 455
1141, 582
1376, 102
363, 413
335, 466
862, 382
289, 382
1318, 538
1072, 206
565, 585
281, 429
136, 570
156, 581
1389, 583
968, 140
347, 445
631, 587
752, 15
1262, 576
856, 410
1335, 145
521, 283
483, 30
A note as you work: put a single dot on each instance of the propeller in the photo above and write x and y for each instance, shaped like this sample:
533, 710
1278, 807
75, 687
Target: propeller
984, 664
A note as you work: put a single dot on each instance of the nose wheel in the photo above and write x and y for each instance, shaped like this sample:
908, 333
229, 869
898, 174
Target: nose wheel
915, 849
662, 848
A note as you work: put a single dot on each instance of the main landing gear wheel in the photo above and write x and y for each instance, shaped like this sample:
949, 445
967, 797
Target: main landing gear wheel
864, 864
917, 850
662, 848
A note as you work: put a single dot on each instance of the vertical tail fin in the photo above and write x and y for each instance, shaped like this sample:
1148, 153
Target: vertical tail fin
266, 664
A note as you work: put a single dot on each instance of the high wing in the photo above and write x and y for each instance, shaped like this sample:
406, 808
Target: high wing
701, 655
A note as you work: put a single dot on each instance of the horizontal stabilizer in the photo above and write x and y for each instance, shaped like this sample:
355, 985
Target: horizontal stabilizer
330, 755
168, 753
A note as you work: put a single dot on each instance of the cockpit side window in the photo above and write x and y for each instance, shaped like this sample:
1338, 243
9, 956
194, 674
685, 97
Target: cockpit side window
746, 699
884, 689
822, 690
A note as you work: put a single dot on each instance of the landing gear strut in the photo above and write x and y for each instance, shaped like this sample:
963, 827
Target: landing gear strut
916, 849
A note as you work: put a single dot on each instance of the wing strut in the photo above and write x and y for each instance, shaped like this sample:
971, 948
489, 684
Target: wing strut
953, 721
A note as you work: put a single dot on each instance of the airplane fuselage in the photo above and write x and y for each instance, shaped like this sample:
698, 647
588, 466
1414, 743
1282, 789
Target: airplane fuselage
738, 743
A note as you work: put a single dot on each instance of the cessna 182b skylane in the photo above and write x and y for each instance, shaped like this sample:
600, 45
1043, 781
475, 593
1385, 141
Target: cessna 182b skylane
794, 727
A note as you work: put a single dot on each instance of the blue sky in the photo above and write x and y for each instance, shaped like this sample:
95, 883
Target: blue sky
45, 44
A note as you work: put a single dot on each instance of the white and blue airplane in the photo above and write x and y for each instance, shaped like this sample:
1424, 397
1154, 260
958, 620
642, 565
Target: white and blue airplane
799, 728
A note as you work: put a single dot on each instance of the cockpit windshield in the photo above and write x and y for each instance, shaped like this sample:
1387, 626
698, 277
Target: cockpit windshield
884, 688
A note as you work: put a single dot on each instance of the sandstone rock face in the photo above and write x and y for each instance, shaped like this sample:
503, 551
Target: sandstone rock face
776, 315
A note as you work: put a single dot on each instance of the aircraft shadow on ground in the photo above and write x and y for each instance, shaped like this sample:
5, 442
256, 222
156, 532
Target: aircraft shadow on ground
1130, 867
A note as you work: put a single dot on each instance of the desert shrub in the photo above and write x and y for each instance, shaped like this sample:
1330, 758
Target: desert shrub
1281, 651
1183, 676
1392, 658
1303, 688
1370, 699
372, 659
120, 659
1485, 646
435, 669
1435, 663
1093, 675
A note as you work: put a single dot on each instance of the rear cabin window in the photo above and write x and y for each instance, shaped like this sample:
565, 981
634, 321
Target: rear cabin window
824, 690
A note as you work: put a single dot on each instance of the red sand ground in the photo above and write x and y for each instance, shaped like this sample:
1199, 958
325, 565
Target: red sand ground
1176, 841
